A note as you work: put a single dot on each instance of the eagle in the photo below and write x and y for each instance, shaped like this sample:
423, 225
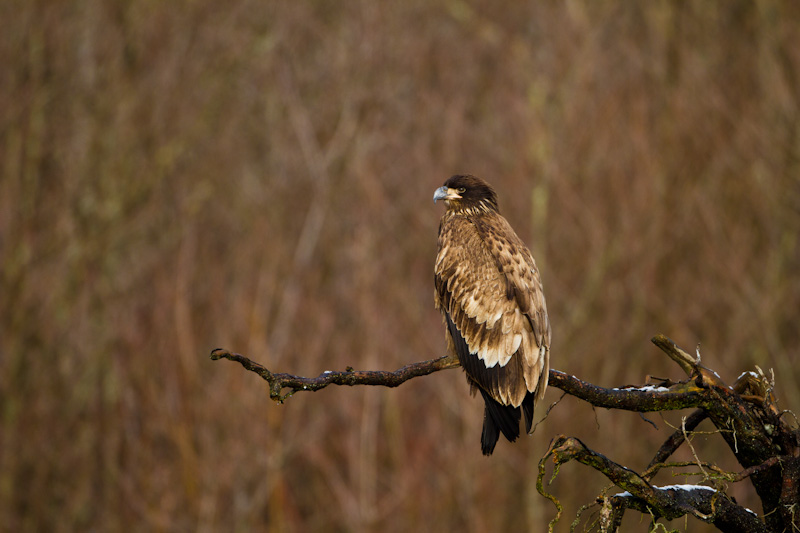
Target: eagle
489, 292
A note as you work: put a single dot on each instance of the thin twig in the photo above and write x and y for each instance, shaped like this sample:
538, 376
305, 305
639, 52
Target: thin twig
675, 440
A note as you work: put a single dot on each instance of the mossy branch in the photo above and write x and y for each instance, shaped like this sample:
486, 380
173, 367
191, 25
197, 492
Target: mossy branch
705, 503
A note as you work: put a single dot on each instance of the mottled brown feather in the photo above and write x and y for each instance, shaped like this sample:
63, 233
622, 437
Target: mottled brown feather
487, 284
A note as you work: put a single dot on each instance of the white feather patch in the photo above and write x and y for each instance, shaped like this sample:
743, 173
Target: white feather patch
489, 356
516, 343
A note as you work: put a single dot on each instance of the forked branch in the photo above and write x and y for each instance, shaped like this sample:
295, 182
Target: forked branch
705, 503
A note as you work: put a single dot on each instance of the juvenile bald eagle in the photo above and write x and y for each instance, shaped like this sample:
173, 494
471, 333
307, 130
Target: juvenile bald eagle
490, 295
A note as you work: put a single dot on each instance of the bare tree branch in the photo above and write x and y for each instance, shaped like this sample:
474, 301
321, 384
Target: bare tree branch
644, 399
278, 381
670, 502
745, 416
640, 399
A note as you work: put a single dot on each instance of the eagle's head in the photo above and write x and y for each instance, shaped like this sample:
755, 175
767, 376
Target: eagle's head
467, 194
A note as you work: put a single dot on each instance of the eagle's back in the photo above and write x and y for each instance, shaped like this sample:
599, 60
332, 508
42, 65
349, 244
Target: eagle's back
489, 290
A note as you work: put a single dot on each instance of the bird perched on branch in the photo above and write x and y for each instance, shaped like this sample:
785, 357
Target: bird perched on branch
490, 295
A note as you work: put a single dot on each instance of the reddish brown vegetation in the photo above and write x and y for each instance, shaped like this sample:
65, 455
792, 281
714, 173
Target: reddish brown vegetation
182, 175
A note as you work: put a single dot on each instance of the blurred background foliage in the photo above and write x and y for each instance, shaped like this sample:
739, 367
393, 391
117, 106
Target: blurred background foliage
178, 176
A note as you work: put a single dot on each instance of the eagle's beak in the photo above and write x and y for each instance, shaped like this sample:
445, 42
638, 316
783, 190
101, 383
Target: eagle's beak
444, 193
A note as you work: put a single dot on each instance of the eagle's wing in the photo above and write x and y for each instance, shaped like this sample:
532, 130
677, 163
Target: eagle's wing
488, 286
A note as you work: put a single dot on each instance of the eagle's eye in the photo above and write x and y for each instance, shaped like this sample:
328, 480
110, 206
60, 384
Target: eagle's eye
462, 190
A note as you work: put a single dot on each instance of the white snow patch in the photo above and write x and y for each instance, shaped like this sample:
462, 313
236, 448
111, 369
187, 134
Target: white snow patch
627, 494
646, 388
687, 487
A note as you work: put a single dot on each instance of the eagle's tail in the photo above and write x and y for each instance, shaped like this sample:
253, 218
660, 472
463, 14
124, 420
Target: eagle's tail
498, 418
527, 410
